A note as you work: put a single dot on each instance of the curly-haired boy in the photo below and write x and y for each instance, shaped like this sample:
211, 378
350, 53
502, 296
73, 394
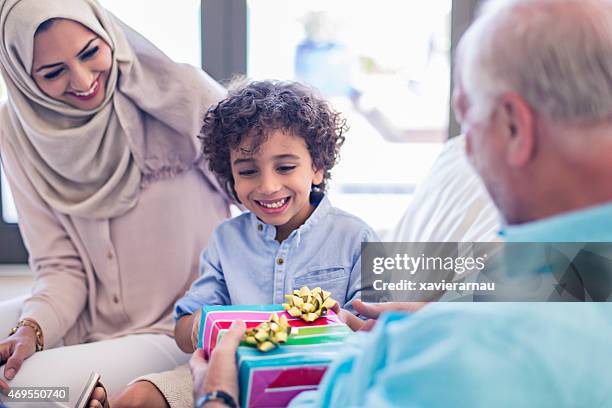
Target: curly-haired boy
272, 145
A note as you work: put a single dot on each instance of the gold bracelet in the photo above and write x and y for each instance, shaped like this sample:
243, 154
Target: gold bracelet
40, 340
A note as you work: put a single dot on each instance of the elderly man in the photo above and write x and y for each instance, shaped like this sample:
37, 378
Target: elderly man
534, 97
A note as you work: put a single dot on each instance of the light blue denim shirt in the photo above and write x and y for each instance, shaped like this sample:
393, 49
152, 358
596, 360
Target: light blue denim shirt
484, 354
244, 264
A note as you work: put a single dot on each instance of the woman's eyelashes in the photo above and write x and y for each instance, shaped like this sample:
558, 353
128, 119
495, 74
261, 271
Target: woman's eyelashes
90, 53
53, 74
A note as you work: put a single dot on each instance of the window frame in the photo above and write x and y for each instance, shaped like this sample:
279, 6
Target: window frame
12, 249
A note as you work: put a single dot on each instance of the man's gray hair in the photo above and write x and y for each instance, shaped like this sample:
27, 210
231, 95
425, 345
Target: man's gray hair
556, 54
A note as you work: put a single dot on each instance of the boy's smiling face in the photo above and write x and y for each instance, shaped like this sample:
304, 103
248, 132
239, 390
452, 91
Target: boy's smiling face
275, 182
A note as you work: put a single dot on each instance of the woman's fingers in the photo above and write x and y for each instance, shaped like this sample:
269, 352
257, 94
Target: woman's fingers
6, 351
13, 364
98, 397
15, 349
4, 388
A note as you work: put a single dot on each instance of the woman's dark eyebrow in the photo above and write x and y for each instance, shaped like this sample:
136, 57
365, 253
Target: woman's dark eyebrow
78, 54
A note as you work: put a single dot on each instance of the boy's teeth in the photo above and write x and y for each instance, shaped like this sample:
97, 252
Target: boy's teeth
275, 204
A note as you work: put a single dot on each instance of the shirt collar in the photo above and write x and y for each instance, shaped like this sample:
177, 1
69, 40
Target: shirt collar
322, 208
593, 224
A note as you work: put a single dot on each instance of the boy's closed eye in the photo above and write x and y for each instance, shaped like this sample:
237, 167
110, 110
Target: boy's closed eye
286, 168
247, 172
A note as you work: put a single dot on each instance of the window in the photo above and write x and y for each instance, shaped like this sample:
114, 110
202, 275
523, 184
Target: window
386, 68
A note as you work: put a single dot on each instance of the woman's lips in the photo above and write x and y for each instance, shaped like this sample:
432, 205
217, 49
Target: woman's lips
85, 96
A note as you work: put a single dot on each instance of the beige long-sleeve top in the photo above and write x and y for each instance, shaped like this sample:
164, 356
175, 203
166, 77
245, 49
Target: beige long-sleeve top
98, 279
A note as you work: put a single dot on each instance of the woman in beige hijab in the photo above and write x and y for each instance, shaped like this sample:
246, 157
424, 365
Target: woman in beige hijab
97, 139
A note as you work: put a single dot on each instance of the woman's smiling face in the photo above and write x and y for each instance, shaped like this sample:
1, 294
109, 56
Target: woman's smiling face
71, 64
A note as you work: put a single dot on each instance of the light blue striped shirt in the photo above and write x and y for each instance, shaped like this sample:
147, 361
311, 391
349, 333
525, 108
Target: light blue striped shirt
244, 264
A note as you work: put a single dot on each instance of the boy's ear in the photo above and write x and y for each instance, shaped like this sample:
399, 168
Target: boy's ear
318, 177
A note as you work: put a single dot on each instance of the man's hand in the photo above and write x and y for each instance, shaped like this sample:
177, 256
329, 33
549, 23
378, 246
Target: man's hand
14, 350
372, 311
220, 372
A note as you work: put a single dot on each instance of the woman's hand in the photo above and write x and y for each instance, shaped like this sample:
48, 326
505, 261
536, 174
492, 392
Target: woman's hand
14, 350
220, 372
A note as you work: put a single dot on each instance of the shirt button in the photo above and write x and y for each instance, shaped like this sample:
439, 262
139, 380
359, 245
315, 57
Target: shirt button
115, 299
259, 227
280, 261
110, 256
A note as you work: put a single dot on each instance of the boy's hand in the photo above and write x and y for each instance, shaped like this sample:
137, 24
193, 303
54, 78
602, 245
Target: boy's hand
195, 329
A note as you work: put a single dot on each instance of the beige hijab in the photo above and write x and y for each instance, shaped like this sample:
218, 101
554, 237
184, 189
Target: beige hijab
92, 163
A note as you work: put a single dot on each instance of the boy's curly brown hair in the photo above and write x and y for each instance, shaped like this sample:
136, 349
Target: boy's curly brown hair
254, 109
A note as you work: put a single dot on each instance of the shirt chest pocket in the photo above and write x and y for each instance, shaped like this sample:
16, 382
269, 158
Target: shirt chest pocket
334, 279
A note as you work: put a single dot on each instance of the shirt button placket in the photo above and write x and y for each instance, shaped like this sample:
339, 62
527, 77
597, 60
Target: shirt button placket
281, 259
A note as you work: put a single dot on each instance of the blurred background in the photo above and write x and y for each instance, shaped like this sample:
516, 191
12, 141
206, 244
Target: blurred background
386, 66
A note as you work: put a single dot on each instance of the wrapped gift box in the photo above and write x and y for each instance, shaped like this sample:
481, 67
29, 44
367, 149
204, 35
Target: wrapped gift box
273, 378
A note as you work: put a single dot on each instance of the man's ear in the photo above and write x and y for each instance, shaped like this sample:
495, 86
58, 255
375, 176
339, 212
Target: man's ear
518, 123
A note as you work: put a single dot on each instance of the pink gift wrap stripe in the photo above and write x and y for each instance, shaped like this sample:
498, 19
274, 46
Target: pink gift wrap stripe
276, 387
